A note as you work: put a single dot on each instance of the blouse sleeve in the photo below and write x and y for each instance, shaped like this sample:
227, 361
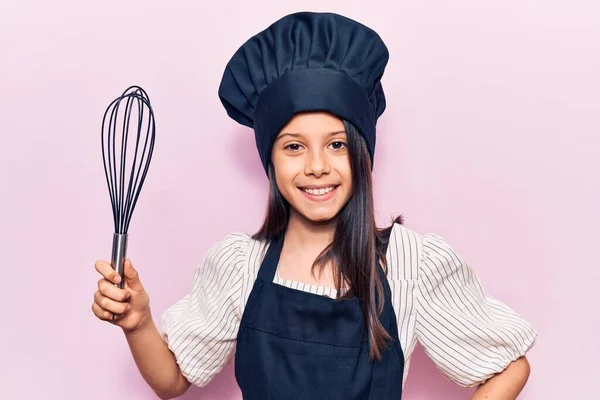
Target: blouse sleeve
468, 335
201, 328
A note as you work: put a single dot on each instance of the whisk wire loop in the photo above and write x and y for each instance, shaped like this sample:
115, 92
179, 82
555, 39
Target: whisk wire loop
125, 186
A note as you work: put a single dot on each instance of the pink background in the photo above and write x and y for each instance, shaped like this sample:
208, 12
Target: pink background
490, 139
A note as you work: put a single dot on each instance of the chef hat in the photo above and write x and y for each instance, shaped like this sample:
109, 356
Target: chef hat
306, 62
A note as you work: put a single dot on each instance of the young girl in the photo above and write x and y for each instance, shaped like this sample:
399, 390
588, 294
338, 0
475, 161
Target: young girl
319, 303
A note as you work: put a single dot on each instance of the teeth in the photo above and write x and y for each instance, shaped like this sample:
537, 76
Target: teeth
319, 192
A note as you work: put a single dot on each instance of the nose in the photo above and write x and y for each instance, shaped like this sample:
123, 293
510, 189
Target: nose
317, 163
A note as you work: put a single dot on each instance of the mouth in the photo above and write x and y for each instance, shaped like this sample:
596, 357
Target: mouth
319, 193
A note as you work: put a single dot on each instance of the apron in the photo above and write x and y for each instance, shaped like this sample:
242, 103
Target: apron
296, 345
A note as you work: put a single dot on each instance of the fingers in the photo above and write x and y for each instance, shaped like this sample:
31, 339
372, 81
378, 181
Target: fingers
107, 271
110, 305
103, 314
111, 291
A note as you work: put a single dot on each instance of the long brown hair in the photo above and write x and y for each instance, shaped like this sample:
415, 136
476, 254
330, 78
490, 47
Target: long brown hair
357, 242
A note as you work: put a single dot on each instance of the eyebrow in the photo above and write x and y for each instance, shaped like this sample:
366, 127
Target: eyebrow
296, 135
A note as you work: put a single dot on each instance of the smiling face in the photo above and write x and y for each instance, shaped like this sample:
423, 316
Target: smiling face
312, 165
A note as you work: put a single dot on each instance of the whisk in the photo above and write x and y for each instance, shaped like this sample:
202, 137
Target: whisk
125, 176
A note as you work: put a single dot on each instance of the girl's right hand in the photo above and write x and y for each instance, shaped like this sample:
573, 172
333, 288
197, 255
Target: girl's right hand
131, 305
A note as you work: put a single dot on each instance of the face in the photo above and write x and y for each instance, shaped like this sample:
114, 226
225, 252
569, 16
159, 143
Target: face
312, 165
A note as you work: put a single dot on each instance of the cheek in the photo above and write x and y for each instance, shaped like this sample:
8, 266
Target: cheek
345, 174
342, 166
284, 177
287, 168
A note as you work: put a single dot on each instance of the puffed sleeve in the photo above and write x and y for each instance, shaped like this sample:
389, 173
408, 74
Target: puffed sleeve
201, 328
469, 335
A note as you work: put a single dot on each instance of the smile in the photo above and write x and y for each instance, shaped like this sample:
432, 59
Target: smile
319, 194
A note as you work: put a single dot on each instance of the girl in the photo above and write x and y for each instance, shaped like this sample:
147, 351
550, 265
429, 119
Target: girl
319, 303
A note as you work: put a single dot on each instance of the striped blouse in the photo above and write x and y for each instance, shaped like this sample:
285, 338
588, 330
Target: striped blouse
438, 301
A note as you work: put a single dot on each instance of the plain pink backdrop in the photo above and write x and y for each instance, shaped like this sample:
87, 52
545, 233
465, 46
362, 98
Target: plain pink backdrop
490, 139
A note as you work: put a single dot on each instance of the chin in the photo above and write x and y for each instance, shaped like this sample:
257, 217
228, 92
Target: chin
321, 218
318, 216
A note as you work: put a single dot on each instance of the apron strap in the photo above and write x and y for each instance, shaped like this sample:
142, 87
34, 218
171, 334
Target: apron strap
268, 267
379, 378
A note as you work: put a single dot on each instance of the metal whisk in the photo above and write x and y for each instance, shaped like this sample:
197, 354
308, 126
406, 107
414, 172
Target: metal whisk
125, 175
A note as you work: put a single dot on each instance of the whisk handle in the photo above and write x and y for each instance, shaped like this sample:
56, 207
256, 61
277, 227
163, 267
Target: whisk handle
119, 254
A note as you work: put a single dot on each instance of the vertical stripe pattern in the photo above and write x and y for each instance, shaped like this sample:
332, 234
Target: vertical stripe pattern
469, 335
438, 301
201, 328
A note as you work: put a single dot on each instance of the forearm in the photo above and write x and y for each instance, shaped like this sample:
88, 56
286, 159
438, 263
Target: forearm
155, 361
506, 385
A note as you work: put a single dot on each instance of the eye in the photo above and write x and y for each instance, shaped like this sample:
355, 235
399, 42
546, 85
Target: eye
292, 147
338, 145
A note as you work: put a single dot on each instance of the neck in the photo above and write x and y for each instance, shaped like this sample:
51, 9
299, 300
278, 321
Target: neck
304, 233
